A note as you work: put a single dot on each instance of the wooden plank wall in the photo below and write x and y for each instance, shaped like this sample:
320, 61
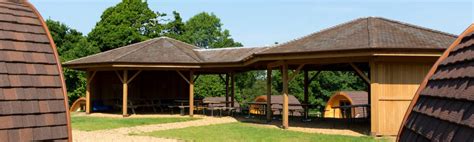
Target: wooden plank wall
393, 85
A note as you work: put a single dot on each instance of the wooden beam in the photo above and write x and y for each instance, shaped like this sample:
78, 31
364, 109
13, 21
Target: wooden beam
119, 76
276, 64
125, 94
296, 72
184, 77
285, 96
227, 77
360, 73
133, 77
197, 77
269, 94
222, 78
90, 78
191, 93
232, 89
314, 77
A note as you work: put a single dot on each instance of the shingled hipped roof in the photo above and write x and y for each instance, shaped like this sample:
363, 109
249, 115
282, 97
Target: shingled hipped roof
365, 33
443, 108
32, 93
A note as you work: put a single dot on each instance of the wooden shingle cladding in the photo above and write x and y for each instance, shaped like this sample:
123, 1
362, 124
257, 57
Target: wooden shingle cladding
32, 95
443, 108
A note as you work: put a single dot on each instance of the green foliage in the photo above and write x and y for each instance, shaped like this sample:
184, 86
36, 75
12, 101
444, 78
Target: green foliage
205, 30
175, 28
128, 22
71, 44
209, 86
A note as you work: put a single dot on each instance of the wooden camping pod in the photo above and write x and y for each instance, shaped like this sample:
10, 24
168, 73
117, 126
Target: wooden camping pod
347, 98
78, 105
32, 89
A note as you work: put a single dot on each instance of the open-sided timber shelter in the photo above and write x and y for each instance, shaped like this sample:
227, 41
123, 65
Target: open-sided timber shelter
33, 99
391, 56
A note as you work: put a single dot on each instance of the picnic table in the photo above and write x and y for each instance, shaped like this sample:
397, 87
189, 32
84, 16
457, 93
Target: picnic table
183, 105
217, 105
344, 108
133, 104
306, 108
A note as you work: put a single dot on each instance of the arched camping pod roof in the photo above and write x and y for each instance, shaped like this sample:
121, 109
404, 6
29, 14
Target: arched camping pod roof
33, 101
443, 107
277, 99
354, 97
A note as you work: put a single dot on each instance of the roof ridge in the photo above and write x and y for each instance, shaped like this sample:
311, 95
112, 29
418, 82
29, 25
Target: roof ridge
194, 47
154, 40
200, 59
417, 27
228, 48
320, 31
100, 53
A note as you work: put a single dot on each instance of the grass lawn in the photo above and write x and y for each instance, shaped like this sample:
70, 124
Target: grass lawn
246, 132
87, 123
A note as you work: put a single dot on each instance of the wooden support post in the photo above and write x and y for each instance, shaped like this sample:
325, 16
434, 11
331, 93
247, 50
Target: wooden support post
227, 90
285, 95
306, 93
125, 94
88, 91
191, 93
269, 94
306, 85
232, 89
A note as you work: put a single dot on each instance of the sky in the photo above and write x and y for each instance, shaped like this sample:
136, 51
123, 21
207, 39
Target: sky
264, 22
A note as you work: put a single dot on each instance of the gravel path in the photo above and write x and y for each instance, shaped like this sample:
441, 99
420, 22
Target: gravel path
126, 134
156, 127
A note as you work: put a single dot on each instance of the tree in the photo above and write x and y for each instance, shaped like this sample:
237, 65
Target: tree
205, 30
128, 22
175, 28
71, 44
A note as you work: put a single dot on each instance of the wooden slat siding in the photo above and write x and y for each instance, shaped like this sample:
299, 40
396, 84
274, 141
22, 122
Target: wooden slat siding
444, 101
32, 90
393, 85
